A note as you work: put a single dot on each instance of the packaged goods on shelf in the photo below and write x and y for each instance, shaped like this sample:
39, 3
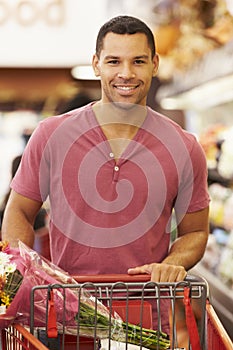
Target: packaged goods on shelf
225, 267
225, 163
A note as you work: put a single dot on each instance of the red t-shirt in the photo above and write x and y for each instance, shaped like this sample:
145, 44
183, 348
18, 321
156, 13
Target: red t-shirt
108, 216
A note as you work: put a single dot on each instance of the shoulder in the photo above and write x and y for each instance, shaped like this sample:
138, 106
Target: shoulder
166, 127
57, 123
175, 139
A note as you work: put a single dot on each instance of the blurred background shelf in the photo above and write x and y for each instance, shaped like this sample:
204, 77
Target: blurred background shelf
221, 297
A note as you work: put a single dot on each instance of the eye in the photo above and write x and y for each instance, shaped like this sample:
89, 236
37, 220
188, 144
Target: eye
113, 62
139, 61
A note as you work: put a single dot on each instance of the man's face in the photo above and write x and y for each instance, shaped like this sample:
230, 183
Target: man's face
126, 68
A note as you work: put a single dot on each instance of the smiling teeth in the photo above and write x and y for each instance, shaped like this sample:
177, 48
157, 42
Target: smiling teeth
126, 88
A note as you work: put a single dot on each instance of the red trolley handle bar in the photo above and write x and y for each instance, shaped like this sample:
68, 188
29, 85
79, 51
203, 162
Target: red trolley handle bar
111, 278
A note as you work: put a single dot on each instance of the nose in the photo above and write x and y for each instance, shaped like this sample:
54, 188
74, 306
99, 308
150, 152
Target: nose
126, 71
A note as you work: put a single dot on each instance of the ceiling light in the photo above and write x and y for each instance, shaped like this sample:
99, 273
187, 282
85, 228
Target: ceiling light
84, 72
204, 96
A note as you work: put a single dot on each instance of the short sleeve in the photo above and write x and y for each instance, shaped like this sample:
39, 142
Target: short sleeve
27, 180
193, 189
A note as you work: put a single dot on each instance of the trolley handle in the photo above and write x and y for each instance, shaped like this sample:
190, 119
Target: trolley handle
111, 278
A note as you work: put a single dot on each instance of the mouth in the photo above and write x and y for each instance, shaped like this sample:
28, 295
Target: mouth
126, 89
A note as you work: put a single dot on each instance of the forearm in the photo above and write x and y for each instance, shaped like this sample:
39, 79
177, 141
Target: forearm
17, 227
187, 250
18, 220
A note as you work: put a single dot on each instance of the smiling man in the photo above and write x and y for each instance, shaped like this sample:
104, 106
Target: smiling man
115, 171
126, 65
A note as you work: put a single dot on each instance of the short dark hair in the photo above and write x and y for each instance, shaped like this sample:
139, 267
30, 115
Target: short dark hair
124, 25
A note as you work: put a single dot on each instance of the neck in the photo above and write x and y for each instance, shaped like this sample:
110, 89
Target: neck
119, 125
120, 115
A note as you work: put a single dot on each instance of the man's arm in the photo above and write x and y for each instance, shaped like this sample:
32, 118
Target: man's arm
184, 253
19, 217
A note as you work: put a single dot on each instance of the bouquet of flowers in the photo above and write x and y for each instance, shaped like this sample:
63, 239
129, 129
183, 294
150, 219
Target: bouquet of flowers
10, 278
74, 309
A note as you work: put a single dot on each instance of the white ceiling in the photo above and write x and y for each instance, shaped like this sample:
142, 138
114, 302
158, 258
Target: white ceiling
57, 33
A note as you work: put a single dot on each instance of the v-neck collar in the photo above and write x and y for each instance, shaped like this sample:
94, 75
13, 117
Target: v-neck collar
129, 147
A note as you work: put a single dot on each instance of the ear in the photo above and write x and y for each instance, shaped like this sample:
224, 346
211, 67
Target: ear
95, 65
156, 64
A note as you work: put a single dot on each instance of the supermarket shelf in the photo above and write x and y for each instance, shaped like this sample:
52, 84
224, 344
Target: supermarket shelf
221, 297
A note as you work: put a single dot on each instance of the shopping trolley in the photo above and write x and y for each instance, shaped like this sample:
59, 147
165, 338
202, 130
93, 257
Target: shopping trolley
131, 298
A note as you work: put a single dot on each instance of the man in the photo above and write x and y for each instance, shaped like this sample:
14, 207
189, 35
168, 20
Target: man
115, 171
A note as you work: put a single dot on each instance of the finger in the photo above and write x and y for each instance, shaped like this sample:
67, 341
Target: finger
182, 273
161, 276
134, 271
139, 270
158, 274
176, 274
167, 273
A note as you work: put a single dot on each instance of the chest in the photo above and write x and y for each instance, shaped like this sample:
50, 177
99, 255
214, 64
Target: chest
111, 168
118, 137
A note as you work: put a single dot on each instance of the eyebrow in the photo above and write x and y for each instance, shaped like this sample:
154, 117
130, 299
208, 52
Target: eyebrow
117, 57
110, 57
142, 56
